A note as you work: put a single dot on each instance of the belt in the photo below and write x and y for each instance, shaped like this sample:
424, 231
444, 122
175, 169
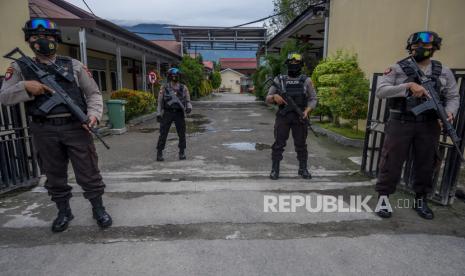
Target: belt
412, 118
57, 121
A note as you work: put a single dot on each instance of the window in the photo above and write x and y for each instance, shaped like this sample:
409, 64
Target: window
101, 79
113, 81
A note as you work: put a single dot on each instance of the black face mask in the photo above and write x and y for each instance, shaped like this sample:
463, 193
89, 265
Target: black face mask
174, 78
294, 70
422, 54
44, 46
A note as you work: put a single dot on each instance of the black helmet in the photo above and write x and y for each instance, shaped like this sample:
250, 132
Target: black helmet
41, 26
424, 37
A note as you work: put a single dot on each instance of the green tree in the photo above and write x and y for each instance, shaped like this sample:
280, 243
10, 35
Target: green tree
275, 64
216, 79
342, 87
286, 11
192, 74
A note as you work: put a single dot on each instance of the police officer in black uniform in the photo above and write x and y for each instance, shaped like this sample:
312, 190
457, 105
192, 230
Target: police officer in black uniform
300, 88
174, 103
59, 137
405, 131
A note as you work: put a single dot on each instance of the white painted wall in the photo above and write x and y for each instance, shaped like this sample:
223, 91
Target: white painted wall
231, 80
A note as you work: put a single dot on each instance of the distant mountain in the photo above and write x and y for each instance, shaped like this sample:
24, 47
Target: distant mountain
161, 32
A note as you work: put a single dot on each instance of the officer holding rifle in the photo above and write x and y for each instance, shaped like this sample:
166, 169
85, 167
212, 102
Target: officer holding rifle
298, 89
58, 136
409, 130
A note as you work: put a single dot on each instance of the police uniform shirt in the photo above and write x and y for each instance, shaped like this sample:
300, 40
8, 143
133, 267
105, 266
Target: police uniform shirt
160, 106
13, 90
391, 84
311, 94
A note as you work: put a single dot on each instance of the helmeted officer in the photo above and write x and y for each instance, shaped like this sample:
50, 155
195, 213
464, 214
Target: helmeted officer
57, 136
299, 87
404, 130
174, 103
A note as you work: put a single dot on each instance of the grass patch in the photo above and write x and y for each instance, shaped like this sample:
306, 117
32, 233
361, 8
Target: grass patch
344, 130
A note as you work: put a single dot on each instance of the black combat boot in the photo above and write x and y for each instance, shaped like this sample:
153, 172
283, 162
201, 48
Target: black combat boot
421, 206
160, 156
384, 212
64, 216
274, 175
303, 171
103, 218
182, 154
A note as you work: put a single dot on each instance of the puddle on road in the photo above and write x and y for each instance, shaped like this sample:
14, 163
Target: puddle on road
173, 179
261, 146
196, 116
242, 130
148, 129
245, 146
195, 123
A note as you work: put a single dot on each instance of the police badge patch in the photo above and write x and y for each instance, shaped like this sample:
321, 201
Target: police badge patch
9, 73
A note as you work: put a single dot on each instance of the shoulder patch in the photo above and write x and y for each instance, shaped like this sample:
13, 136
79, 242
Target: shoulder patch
9, 73
387, 71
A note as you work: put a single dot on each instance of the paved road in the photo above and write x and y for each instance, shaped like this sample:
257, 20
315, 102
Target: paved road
204, 216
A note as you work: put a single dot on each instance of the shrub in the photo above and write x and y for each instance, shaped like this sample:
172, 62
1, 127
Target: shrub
259, 78
192, 74
216, 79
205, 88
138, 102
342, 88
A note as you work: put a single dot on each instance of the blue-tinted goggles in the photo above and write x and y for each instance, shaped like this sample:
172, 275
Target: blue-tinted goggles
174, 71
41, 22
424, 37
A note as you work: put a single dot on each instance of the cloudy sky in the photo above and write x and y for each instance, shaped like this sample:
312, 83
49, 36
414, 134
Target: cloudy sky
180, 12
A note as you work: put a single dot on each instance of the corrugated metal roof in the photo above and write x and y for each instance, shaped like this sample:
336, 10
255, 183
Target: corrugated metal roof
238, 63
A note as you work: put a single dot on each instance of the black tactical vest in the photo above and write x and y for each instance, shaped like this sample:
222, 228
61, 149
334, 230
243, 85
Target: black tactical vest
71, 88
295, 88
405, 104
180, 93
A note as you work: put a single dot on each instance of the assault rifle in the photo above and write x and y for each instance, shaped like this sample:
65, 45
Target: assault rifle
434, 103
171, 98
58, 96
291, 105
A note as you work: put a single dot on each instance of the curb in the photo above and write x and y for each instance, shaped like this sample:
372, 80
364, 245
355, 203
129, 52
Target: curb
218, 104
356, 143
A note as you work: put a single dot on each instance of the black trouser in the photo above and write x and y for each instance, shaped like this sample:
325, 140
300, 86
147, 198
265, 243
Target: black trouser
56, 145
400, 137
170, 116
283, 125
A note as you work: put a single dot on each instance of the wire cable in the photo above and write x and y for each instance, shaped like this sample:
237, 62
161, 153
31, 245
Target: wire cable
88, 7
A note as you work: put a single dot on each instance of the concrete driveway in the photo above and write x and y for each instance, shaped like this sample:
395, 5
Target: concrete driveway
205, 215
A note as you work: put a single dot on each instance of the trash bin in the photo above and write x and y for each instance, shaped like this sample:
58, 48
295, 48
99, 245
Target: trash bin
116, 113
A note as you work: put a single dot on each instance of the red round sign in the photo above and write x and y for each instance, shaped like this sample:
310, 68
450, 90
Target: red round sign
152, 77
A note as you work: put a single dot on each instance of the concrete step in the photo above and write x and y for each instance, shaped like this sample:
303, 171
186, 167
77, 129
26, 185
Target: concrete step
175, 204
176, 186
226, 104
212, 173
